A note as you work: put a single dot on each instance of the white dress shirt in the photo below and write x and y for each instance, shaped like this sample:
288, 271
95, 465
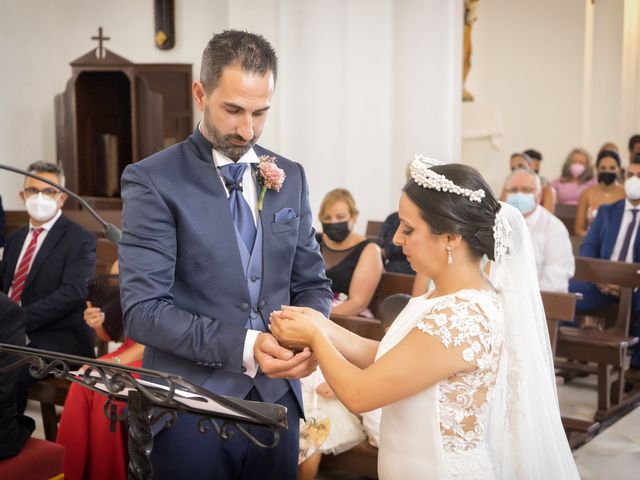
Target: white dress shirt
627, 216
552, 248
250, 194
45, 230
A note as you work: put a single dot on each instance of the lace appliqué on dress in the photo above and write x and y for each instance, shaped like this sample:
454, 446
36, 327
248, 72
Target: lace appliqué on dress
459, 321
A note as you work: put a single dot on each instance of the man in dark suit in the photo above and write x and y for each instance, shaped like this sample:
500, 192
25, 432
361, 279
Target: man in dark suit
613, 235
204, 262
45, 268
15, 429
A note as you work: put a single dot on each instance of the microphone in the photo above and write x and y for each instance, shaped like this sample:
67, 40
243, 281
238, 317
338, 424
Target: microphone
111, 232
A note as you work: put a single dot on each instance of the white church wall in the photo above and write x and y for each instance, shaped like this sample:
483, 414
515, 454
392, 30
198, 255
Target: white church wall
528, 63
40, 38
363, 84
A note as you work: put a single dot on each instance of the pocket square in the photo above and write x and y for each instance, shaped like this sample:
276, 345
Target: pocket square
284, 215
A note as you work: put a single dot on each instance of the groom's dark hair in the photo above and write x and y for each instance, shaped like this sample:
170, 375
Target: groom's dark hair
250, 51
458, 215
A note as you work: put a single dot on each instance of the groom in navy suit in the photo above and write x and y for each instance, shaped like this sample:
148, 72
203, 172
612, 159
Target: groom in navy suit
203, 263
613, 235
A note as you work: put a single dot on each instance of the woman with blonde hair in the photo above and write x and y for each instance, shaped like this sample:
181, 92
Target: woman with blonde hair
577, 174
353, 263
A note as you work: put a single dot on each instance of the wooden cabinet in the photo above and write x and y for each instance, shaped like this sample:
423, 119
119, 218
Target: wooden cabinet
114, 112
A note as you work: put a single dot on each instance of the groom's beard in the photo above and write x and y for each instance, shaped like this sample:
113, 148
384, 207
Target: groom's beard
221, 143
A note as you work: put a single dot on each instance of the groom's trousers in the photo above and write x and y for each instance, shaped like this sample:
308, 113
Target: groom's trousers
181, 452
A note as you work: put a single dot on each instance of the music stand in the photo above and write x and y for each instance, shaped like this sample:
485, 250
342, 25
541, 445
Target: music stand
158, 391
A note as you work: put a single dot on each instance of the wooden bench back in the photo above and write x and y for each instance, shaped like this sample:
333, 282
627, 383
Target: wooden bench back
390, 283
373, 229
365, 327
558, 307
626, 275
567, 214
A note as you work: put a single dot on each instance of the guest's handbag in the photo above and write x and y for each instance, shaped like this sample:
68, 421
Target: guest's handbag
104, 293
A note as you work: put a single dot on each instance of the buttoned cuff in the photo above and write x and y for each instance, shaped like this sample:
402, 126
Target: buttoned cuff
249, 366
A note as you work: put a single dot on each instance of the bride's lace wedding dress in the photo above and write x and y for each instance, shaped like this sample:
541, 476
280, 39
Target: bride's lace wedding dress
439, 432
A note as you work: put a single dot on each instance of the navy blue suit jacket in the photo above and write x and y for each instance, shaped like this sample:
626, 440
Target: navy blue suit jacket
601, 237
56, 288
183, 288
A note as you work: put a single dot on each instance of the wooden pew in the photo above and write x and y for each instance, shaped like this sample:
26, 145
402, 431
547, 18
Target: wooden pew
362, 459
607, 349
567, 214
365, 327
390, 283
560, 307
373, 230
50, 392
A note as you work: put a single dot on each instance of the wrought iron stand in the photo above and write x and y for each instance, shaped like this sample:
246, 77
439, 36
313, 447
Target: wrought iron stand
159, 397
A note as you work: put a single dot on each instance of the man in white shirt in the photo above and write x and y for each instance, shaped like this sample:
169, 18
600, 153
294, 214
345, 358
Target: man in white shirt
551, 243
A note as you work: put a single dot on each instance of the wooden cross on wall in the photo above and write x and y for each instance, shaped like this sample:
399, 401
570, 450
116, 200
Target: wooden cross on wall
100, 51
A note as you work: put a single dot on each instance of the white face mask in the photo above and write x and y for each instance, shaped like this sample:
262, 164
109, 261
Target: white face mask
41, 208
632, 188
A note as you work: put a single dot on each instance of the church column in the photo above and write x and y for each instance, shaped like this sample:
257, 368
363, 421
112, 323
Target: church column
427, 81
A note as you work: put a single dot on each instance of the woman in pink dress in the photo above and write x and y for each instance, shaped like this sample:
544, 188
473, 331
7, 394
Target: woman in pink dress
577, 174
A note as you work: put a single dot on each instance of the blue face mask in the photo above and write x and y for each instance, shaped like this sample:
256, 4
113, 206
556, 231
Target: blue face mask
525, 202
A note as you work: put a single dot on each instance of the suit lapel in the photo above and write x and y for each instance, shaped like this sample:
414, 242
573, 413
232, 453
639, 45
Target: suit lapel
12, 253
218, 216
614, 228
50, 241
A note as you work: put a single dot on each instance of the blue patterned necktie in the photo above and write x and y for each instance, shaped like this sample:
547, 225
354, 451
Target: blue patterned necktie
626, 243
240, 210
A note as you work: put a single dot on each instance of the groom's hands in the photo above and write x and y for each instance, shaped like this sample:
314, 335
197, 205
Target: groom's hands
279, 362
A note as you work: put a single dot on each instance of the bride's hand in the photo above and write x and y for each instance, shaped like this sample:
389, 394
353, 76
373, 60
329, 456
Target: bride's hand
296, 326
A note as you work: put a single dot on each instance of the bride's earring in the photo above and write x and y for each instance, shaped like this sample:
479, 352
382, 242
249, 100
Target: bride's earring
449, 255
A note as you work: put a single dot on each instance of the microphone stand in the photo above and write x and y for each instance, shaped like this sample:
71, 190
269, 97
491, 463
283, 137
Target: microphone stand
111, 232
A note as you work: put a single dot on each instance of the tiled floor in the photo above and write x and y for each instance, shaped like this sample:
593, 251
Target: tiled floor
615, 450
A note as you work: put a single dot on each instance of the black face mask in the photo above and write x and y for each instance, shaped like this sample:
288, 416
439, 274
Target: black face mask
607, 177
336, 231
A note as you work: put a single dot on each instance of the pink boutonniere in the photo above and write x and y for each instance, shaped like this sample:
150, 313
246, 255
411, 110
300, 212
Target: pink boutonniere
270, 176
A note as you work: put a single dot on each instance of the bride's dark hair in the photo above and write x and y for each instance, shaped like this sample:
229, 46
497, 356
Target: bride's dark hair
455, 214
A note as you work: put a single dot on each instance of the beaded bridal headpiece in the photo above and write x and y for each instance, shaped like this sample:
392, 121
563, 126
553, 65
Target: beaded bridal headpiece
425, 177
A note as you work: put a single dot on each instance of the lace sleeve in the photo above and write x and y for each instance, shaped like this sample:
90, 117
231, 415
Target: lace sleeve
460, 322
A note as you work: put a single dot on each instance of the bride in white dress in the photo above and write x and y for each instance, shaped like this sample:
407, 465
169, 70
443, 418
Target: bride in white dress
465, 374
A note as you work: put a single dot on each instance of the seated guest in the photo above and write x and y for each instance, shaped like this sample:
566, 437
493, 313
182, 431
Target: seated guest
607, 190
15, 429
577, 175
536, 162
551, 244
45, 268
609, 146
353, 263
345, 429
92, 450
522, 161
394, 259
634, 147
613, 236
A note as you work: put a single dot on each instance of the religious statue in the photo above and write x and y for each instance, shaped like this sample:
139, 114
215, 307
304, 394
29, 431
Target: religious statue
470, 17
